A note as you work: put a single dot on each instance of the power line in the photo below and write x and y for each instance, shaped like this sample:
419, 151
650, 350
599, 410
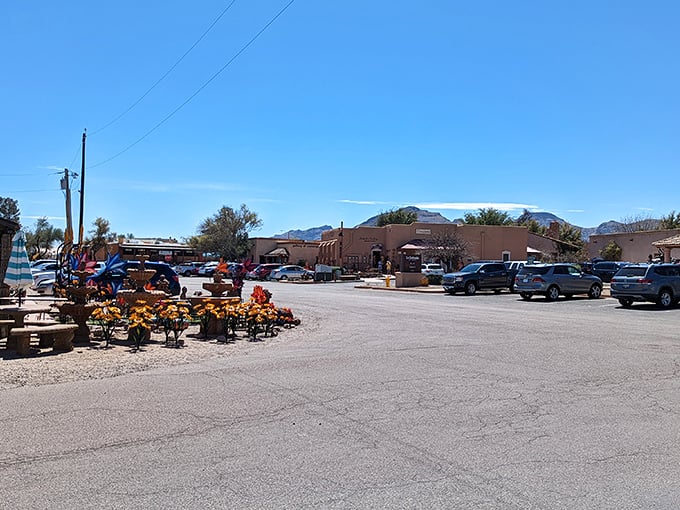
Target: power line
171, 114
26, 175
168, 71
33, 190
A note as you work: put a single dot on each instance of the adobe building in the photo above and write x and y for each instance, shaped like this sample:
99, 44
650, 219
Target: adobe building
363, 248
269, 250
638, 246
157, 250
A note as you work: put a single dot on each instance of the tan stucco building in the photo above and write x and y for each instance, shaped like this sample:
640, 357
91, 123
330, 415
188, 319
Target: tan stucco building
635, 246
266, 250
362, 248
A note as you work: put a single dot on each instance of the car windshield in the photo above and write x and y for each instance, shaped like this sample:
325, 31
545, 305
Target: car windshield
470, 268
632, 271
534, 270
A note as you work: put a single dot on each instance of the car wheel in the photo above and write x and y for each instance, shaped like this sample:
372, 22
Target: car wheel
526, 295
283, 278
553, 293
626, 302
470, 288
665, 299
186, 273
595, 292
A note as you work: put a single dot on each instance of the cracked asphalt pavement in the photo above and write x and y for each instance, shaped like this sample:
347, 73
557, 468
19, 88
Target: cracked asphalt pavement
378, 400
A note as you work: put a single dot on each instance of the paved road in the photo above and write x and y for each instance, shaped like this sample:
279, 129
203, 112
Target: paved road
379, 400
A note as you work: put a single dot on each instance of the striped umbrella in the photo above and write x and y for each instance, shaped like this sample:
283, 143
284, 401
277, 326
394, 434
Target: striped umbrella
18, 275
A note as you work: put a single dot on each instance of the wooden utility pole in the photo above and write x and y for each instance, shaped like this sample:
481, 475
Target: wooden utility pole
65, 185
82, 192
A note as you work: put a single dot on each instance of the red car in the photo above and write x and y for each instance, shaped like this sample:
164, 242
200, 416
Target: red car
262, 271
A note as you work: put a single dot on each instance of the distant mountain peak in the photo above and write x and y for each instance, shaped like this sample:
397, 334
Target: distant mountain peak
311, 234
424, 216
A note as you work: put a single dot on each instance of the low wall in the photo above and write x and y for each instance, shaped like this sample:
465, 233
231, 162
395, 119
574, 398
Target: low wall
408, 279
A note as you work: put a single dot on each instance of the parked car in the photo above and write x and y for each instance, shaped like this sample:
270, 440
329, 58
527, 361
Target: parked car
513, 267
553, 280
44, 267
262, 271
606, 270
477, 276
432, 269
45, 287
233, 268
38, 264
207, 269
112, 279
655, 283
188, 268
291, 272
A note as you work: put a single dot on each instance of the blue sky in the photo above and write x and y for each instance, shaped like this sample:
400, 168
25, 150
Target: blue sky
340, 110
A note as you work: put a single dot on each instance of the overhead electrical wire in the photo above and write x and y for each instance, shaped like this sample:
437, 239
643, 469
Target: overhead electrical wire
182, 105
115, 119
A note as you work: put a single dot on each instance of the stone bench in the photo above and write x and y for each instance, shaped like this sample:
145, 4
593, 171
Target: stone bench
5, 324
57, 336
46, 322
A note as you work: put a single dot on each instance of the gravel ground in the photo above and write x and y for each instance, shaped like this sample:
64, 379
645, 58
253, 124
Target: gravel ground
97, 362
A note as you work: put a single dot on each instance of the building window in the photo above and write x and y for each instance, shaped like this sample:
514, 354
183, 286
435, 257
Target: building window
506, 255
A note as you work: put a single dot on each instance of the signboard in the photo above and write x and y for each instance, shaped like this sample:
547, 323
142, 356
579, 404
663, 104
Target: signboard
410, 263
423, 231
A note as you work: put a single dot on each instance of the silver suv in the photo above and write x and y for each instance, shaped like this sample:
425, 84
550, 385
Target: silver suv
551, 280
656, 283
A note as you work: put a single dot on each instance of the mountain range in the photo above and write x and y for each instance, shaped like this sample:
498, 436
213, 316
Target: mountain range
425, 216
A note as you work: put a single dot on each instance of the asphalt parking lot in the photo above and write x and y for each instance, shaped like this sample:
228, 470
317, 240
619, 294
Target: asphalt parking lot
378, 400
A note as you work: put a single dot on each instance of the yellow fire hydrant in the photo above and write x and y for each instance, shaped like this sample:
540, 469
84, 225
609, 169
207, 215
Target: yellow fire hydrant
387, 280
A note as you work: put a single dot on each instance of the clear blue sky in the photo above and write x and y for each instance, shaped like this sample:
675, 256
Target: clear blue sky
340, 110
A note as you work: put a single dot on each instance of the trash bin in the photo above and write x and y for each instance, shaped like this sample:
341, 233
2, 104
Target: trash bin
323, 277
323, 273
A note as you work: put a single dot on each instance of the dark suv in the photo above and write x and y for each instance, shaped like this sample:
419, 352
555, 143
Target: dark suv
477, 276
656, 283
606, 270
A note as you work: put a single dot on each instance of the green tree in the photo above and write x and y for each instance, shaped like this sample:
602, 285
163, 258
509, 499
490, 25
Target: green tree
9, 209
397, 217
226, 233
447, 247
670, 221
573, 247
100, 235
526, 220
488, 216
39, 241
611, 252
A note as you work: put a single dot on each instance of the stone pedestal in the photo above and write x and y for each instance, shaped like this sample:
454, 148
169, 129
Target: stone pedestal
79, 313
214, 325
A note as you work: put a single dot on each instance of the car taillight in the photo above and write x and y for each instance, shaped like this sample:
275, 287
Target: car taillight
537, 279
645, 281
